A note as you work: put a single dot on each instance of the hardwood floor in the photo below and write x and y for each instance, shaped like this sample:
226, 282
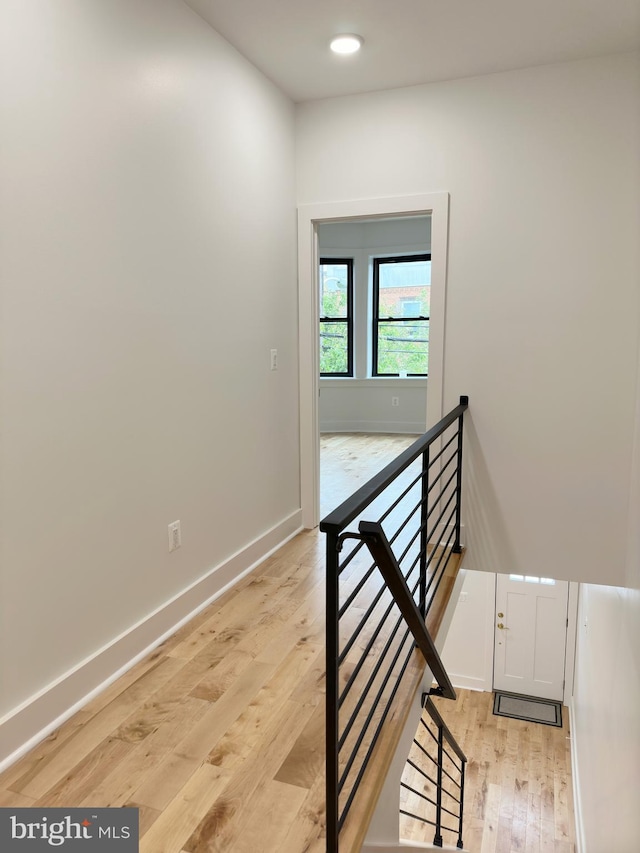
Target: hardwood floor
218, 735
518, 784
205, 736
348, 460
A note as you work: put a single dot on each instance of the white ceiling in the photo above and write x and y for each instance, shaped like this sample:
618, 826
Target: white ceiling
415, 41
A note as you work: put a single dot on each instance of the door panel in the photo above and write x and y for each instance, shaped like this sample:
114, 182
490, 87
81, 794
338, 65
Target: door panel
515, 610
530, 635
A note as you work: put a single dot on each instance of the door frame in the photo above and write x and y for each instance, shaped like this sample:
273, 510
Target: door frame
309, 217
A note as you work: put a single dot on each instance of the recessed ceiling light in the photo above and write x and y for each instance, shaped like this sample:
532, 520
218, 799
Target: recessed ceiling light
346, 43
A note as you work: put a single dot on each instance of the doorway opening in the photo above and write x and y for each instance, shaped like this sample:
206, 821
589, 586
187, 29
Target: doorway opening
311, 218
374, 304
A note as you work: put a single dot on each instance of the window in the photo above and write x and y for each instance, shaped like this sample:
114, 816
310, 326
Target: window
410, 307
401, 305
532, 579
336, 316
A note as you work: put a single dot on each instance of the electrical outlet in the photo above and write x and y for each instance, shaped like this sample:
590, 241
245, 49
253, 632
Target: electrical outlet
175, 536
395, 401
274, 359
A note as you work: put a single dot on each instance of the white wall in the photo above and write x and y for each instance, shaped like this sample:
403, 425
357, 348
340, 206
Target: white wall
468, 651
606, 711
377, 235
364, 403
148, 266
606, 702
542, 320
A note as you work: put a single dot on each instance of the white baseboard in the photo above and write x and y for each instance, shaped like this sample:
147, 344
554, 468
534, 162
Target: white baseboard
468, 682
405, 847
581, 846
25, 726
402, 427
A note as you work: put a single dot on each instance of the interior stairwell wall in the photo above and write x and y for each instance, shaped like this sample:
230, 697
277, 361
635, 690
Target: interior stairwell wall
606, 702
542, 289
148, 267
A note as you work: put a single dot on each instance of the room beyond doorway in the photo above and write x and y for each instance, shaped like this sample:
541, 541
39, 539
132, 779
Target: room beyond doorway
310, 217
375, 308
348, 460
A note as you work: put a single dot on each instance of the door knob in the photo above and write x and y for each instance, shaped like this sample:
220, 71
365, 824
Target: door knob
502, 627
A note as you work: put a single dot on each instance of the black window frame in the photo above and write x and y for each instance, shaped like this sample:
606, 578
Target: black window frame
377, 262
349, 263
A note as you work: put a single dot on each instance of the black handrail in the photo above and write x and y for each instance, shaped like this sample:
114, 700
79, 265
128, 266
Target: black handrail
429, 706
378, 545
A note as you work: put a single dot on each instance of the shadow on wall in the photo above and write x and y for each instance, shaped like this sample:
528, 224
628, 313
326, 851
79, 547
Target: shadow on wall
489, 546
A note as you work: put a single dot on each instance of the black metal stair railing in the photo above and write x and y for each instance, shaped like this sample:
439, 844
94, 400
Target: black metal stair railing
376, 608
433, 747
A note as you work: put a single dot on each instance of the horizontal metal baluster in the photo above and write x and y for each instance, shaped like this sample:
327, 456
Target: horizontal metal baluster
417, 817
368, 685
367, 757
443, 449
368, 648
370, 715
421, 771
356, 633
437, 573
442, 470
352, 597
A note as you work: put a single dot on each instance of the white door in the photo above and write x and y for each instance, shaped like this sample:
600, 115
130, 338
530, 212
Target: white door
530, 635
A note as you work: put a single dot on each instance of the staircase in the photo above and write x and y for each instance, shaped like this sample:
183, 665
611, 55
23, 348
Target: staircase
432, 788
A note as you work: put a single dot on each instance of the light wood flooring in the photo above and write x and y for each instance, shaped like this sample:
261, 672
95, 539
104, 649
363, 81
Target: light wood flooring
348, 460
218, 736
518, 796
